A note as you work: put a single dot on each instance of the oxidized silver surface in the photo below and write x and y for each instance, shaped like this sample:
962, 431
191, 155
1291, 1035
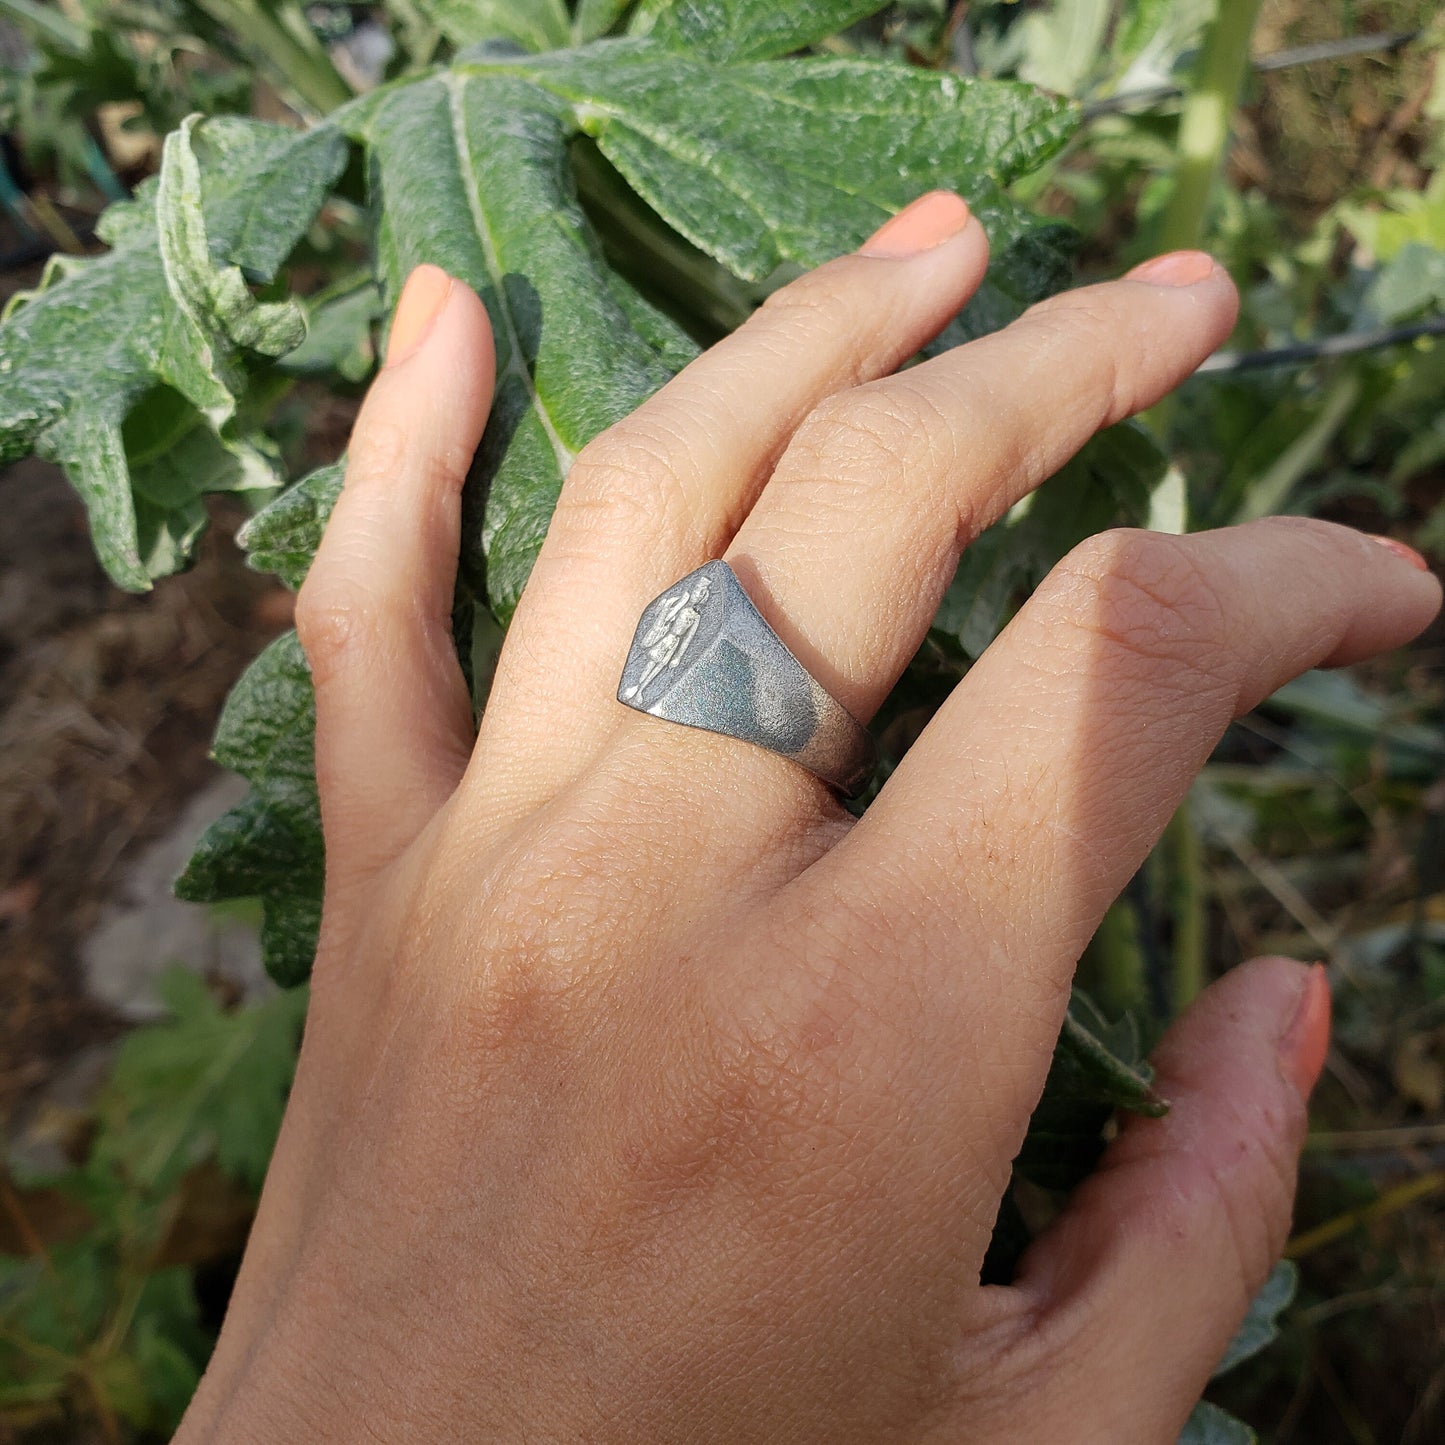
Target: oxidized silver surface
704, 657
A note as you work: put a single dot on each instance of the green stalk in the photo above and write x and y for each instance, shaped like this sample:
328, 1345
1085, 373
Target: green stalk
1189, 967
47, 22
1114, 964
279, 33
1268, 493
1203, 139
1204, 122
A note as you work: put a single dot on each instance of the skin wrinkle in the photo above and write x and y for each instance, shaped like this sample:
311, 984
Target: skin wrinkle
1149, 587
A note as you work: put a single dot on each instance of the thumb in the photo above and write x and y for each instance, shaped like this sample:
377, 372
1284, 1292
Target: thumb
1144, 1278
393, 719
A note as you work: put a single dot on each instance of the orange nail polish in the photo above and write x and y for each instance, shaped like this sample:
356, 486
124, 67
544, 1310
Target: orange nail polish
422, 300
1407, 554
1174, 268
1306, 1041
928, 222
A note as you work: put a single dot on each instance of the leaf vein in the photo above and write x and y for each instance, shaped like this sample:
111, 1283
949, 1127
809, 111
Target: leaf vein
515, 364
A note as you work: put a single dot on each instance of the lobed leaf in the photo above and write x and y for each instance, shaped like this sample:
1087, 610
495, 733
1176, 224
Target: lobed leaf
116, 360
175, 1096
469, 174
745, 159
270, 844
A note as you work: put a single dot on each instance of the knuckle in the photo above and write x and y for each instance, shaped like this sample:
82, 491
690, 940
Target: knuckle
1310, 534
1254, 1213
751, 1112
625, 479
335, 615
378, 449
1081, 324
828, 307
385, 451
817, 301
860, 438
1154, 611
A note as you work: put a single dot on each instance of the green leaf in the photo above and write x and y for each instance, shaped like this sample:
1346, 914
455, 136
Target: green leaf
742, 160
1109, 1057
213, 307
534, 24
1412, 283
203, 1084
1261, 1325
166, 309
283, 537
748, 29
1063, 43
1097, 1068
1339, 704
339, 333
469, 175
169, 1346
271, 843
1209, 1425
1409, 217
1151, 40
745, 161
57, 1303
596, 18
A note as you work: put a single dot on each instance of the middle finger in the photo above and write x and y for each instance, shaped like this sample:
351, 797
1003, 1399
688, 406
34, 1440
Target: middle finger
855, 538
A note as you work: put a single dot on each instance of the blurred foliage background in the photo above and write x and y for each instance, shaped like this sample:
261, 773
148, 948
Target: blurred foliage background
1300, 140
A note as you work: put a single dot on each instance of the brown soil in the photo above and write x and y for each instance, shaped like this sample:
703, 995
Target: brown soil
107, 706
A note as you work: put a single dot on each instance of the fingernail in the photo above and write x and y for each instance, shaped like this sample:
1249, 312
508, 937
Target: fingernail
422, 299
1305, 1042
927, 222
1174, 268
1407, 554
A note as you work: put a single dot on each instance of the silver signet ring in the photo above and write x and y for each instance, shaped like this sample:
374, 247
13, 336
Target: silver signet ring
703, 656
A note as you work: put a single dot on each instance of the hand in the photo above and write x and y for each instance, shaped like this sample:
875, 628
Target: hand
645, 1096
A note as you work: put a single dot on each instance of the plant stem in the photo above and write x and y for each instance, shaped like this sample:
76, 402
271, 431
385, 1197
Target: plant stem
1203, 137
1116, 971
1390, 1202
1204, 121
283, 38
1188, 973
1267, 494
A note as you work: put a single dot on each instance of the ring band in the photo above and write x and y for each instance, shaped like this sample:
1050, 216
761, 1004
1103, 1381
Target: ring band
704, 657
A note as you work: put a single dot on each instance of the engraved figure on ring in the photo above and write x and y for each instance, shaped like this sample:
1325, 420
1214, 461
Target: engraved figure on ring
666, 641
